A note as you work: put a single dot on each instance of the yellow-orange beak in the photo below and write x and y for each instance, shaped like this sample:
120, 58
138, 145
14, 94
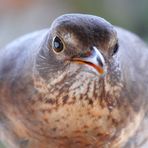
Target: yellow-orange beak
95, 60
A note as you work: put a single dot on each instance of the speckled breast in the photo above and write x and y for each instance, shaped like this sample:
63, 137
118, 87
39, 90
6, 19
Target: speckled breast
77, 112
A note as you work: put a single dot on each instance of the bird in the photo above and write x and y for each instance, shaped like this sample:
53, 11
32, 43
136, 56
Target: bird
82, 83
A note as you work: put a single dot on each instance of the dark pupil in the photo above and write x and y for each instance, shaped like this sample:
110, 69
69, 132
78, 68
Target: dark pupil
115, 49
58, 46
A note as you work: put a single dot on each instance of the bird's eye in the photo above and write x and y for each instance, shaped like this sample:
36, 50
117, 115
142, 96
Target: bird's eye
115, 48
57, 45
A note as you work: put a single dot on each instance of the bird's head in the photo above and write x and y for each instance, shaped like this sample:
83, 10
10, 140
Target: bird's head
78, 39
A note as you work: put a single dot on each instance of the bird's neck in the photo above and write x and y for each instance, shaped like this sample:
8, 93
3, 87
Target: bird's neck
75, 83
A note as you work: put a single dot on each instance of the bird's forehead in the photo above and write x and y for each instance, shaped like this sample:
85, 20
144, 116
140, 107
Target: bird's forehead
81, 19
83, 27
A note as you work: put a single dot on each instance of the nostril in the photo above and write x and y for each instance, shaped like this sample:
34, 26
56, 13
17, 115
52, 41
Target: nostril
100, 61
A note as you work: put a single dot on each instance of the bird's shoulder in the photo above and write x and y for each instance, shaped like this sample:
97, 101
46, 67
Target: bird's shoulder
130, 40
133, 54
20, 53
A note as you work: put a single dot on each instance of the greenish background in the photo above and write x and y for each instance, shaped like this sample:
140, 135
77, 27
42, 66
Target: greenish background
130, 14
1, 145
18, 17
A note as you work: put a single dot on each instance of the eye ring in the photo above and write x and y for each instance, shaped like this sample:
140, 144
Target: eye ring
57, 45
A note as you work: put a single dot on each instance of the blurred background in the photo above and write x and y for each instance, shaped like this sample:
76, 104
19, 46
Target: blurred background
18, 17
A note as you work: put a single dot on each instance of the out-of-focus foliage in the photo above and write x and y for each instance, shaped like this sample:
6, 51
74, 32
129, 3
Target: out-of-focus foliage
1, 145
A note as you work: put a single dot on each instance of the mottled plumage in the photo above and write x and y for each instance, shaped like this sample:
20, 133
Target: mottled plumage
80, 83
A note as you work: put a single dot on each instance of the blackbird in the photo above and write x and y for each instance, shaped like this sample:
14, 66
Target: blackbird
80, 83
